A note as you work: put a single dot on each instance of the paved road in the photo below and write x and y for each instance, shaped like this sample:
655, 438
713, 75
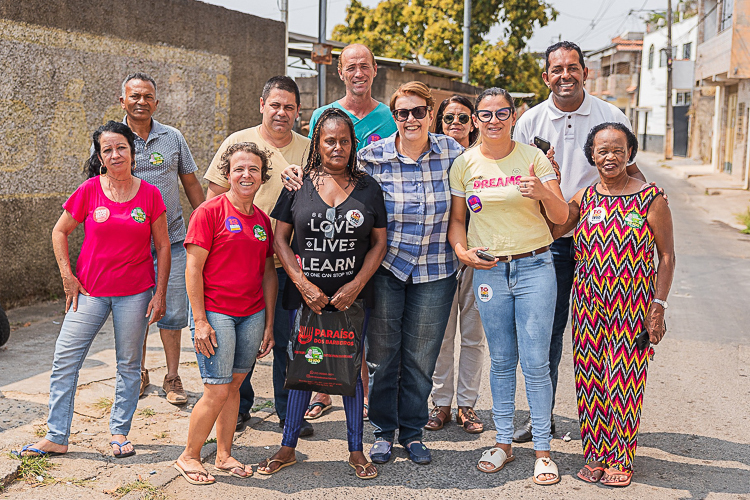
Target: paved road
694, 440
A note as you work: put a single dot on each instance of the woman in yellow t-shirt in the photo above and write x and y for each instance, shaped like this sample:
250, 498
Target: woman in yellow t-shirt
505, 184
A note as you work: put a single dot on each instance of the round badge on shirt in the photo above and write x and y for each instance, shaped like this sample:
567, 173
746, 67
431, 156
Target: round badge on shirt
101, 214
475, 204
259, 233
233, 225
597, 215
156, 158
355, 218
373, 138
138, 215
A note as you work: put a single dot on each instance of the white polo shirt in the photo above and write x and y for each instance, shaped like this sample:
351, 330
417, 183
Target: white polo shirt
567, 133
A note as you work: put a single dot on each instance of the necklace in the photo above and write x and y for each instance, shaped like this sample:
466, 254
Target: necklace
627, 181
114, 192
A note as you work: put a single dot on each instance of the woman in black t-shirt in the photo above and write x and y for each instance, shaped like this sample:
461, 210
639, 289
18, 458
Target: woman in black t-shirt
338, 218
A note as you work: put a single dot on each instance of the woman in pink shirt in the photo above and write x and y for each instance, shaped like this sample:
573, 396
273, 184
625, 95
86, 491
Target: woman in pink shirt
114, 272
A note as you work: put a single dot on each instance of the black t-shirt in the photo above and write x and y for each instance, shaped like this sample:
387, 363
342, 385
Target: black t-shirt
330, 243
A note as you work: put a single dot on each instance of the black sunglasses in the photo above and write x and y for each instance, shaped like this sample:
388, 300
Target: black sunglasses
418, 113
502, 114
463, 118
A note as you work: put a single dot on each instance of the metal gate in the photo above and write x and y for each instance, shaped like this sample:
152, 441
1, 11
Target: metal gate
681, 120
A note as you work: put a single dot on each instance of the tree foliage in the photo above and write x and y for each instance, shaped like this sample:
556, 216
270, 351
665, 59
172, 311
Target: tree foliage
431, 31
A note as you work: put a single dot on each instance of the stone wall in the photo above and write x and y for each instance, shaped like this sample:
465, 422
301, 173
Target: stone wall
63, 63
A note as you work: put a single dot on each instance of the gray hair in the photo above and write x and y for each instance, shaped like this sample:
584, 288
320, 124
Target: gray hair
138, 76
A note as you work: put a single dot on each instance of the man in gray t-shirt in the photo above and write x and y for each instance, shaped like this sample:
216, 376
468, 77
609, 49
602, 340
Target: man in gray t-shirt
162, 158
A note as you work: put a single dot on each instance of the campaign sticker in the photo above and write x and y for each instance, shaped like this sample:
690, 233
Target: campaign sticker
259, 233
305, 334
314, 355
373, 138
597, 215
485, 292
138, 215
634, 220
355, 218
233, 225
156, 159
475, 204
101, 214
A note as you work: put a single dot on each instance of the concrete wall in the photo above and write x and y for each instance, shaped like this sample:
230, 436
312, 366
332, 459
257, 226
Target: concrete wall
63, 63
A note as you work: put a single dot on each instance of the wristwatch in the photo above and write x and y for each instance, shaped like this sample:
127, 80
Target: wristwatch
662, 303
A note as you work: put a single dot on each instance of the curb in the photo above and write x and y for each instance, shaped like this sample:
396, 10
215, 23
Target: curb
8, 471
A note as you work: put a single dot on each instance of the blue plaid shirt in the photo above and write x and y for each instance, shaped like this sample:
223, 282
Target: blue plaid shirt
418, 201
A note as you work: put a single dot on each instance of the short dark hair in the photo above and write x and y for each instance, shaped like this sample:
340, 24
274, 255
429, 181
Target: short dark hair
93, 165
280, 82
246, 147
588, 148
565, 46
138, 76
496, 91
463, 101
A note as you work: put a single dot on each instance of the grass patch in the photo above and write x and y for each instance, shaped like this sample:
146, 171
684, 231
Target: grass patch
32, 468
744, 219
146, 412
151, 492
190, 363
104, 404
209, 441
40, 430
267, 404
161, 435
76, 482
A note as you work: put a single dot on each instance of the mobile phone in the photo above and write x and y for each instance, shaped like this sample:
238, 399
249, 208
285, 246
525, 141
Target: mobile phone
642, 340
542, 144
485, 256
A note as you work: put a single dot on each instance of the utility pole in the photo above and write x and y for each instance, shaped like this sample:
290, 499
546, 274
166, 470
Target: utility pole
284, 8
467, 33
668, 133
322, 68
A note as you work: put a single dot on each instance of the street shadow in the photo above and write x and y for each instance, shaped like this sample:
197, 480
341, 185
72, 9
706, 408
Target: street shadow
696, 447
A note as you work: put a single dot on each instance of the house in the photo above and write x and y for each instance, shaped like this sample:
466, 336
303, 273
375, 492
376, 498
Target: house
652, 94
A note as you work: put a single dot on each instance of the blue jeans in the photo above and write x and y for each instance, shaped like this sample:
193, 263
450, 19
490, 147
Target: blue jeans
281, 332
406, 330
516, 302
76, 335
177, 313
562, 255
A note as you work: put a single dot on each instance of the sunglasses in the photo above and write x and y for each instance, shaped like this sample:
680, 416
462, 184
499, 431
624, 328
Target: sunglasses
418, 113
463, 118
502, 114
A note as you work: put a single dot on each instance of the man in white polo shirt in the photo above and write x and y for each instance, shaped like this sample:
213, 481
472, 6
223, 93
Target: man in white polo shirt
565, 120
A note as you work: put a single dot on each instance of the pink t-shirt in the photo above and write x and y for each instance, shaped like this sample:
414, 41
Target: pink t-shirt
115, 258
238, 246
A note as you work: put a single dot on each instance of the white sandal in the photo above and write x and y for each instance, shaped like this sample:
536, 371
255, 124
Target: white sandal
545, 465
495, 456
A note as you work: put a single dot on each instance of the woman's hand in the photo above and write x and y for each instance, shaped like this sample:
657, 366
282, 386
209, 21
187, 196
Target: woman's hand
205, 338
470, 258
314, 297
291, 178
655, 323
157, 306
267, 343
72, 288
346, 295
532, 187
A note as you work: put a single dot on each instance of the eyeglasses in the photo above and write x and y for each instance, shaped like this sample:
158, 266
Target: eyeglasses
329, 229
502, 114
418, 113
463, 118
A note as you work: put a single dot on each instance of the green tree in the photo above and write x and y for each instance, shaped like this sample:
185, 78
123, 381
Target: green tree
431, 31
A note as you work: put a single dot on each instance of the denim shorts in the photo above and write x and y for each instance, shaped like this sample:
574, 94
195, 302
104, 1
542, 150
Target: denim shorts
176, 316
238, 339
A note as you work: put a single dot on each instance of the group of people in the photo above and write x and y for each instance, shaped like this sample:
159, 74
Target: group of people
471, 225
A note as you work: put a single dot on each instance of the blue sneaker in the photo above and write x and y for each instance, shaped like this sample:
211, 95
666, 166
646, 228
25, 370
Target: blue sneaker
380, 452
418, 453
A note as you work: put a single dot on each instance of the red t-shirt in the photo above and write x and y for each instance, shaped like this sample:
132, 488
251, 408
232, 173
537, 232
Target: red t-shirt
238, 246
115, 258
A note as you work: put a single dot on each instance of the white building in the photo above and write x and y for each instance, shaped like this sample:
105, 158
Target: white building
652, 107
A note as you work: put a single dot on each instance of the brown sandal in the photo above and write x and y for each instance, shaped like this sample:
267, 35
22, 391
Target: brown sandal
467, 418
438, 417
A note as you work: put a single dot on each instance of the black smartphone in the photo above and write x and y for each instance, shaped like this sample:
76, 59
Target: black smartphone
542, 144
642, 340
485, 256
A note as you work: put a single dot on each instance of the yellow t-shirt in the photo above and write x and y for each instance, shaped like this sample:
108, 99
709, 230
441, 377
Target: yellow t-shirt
295, 153
501, 218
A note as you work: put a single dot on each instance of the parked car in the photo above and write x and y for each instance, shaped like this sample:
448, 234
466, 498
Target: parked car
4, 327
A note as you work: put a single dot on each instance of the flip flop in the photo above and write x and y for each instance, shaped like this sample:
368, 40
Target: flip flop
366, 413
120, 445
497, 457
324, 408
230, 471
610, 471
37, 451
270, 461
185, 473
363, 474
380, 452
593, 471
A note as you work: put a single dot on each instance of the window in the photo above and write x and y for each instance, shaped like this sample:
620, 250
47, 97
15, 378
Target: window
679, 98
663, 56
687, 50
688, 98
726, 15
651, 57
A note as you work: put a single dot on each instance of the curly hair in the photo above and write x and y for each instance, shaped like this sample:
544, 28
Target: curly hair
588, 148
463, 101
93, 165
246, 147
314, 166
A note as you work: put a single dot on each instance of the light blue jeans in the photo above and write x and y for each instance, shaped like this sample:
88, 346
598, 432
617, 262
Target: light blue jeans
76, 335
516, 301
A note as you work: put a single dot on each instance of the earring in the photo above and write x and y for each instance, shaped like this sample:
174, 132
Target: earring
101, 169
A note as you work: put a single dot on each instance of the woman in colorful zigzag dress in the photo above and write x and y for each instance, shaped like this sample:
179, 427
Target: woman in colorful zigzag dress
617, 294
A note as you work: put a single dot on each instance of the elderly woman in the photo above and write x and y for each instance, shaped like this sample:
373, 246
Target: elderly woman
338, 220
114, 273
454, 120
231, 284
506, 184
617, 295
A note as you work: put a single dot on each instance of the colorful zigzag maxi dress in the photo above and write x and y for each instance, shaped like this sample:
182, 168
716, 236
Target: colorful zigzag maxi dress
612, 290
